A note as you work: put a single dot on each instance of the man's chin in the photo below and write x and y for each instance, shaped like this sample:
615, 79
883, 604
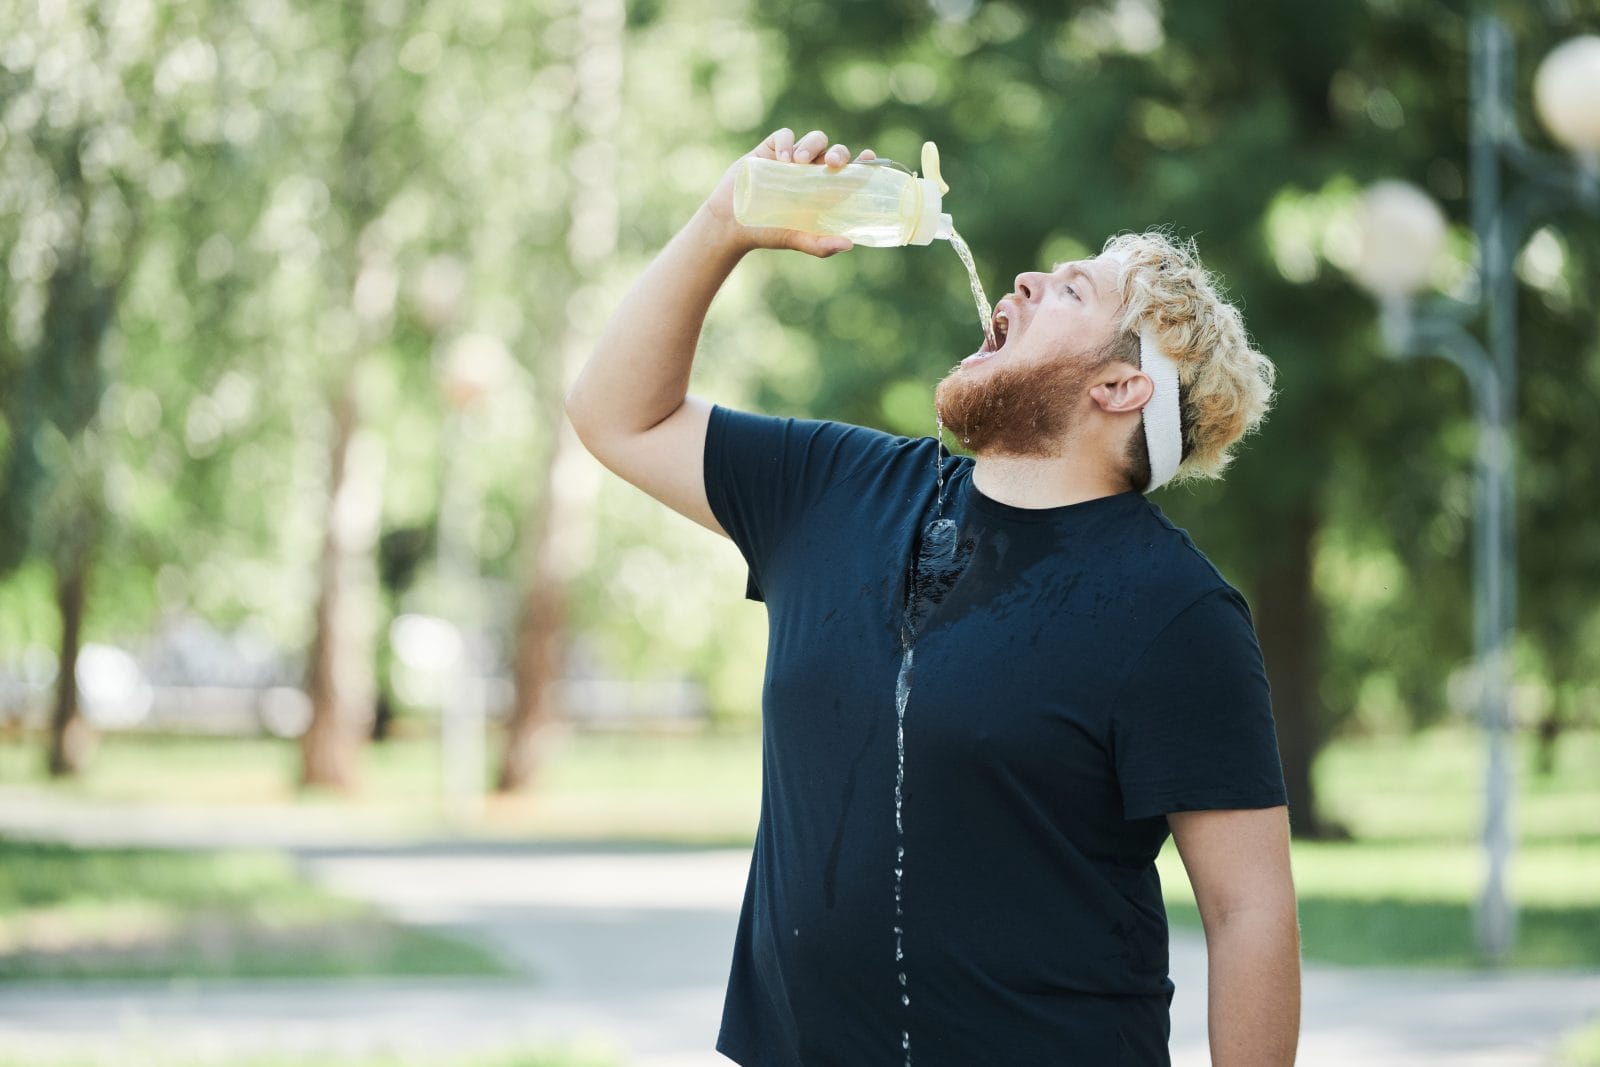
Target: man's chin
992, 401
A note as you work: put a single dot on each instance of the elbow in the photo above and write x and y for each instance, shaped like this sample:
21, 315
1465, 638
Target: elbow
572, 404
1275, 924
588, 425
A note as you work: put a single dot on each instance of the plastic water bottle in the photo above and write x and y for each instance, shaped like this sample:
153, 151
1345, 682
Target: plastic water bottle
876, 202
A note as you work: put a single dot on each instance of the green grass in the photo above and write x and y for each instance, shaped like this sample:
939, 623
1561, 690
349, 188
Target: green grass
1402, 892
126, 1056
1582, 1048
701, 788
74, 913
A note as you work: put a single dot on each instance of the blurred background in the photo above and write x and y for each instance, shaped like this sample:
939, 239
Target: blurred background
327, 655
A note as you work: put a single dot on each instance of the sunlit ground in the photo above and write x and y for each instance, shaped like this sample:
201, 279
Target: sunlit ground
132, 1057
1400, 893
71, 913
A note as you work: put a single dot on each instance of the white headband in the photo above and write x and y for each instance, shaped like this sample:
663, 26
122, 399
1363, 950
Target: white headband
1163, 429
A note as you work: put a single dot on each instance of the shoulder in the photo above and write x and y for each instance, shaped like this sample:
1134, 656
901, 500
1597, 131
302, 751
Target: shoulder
782, 471
822, 442
1173, 559
1177, 582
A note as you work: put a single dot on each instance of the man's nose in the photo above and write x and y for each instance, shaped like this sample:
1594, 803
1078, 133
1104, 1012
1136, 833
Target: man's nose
1029, 284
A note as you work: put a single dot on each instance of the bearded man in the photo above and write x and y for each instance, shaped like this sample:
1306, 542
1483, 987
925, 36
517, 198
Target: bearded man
1045, 675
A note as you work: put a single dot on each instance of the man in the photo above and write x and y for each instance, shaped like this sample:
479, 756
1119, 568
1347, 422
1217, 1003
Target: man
965, 875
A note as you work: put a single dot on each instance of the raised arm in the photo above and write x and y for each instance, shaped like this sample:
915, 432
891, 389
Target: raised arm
630, 405
1238, 864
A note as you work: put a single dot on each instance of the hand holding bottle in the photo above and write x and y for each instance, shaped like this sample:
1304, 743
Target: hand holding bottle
811, 150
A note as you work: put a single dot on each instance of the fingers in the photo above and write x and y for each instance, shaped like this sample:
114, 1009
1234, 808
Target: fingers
778, 145
812, 148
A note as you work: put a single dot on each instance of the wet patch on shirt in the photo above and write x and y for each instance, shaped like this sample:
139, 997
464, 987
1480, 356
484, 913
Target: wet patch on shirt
940, 559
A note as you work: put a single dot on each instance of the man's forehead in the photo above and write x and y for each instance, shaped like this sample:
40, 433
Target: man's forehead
1102, 270
1099, 266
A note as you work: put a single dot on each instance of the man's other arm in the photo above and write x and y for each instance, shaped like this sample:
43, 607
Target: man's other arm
630, 404
1238, 864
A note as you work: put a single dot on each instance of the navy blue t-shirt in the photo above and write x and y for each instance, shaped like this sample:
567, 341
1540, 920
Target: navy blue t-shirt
1088, 672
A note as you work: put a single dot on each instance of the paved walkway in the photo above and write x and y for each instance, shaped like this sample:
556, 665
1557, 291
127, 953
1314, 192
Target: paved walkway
627, 948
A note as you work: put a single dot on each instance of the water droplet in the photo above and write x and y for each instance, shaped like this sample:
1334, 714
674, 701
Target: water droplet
905, 1000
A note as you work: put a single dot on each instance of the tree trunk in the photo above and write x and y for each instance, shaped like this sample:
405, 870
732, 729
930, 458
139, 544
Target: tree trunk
540, 655
71, 738
569, 483
1290, 626
340, 679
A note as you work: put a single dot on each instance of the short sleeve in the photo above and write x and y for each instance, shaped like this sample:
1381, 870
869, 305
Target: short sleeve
1192, 727
763, 474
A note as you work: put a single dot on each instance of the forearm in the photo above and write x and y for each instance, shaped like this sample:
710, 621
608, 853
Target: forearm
1254, 972
639, 371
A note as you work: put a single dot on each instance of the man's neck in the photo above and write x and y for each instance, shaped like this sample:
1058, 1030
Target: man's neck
1040, 481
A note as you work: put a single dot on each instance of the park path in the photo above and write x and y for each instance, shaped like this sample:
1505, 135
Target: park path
627, 948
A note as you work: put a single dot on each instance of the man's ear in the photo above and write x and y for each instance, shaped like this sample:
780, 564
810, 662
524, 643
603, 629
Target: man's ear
1122, 388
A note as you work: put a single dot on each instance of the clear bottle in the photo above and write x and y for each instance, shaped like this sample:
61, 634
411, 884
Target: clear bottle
876, 203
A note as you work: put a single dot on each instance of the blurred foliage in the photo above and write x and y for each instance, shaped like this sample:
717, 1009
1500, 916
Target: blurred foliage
209, 207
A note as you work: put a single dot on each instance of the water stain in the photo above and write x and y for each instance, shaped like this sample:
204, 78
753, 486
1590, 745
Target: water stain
937, 563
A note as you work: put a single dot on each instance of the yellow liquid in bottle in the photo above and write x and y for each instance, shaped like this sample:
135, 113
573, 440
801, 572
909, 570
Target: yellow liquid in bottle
871, 204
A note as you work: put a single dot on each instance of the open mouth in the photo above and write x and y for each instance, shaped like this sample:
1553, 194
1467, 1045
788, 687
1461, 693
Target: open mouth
1000, 329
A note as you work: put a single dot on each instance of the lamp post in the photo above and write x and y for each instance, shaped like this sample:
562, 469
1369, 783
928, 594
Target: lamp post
1403, 233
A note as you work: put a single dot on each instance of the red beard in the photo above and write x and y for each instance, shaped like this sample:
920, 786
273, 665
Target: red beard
1015, 408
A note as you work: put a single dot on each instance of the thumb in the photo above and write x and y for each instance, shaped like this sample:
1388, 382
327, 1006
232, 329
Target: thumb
819, 245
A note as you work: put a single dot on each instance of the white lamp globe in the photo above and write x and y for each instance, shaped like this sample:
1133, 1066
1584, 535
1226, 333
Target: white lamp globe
1566, 92
1402, 236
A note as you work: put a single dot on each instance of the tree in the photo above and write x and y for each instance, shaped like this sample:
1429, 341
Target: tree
78, 177
591, 240
1239, 126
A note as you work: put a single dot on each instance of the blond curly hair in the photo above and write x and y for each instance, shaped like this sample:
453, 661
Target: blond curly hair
1225, 386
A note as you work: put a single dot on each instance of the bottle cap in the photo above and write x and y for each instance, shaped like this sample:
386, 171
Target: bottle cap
930, 166
932, 222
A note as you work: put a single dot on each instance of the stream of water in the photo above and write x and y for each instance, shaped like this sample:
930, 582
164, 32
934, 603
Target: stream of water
936, 564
